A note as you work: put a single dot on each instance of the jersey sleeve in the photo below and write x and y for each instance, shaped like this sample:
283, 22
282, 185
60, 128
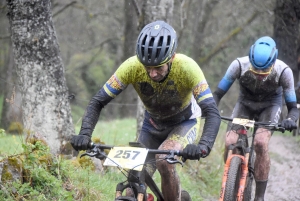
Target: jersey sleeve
230, 76
123, 76
287, 83
202, 92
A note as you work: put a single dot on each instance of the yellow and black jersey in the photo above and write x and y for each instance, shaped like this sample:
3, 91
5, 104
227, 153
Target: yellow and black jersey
184, 87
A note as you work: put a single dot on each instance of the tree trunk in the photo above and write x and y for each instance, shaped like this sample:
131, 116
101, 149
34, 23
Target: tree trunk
45, 106
128, 98
286, 32
11, 117
152, 10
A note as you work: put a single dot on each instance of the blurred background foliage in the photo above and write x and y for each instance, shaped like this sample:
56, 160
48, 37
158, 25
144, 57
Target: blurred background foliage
93, 43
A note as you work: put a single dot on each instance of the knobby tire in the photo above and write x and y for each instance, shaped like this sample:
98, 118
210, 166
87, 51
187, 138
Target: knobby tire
233, 179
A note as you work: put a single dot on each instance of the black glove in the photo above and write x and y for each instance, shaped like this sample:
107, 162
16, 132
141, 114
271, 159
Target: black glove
195, 152
80, 142
288, 124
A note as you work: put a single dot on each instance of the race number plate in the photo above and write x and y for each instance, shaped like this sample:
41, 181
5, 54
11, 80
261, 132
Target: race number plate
243, 122
127, 157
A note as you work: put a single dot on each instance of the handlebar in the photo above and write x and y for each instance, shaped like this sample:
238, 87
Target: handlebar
97, 150
151, 151
271, 126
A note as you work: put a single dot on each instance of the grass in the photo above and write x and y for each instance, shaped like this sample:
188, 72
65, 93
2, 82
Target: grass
10, 145
201, 179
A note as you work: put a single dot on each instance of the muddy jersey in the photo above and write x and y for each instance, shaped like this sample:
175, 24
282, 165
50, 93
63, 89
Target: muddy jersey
177, 96
260, 88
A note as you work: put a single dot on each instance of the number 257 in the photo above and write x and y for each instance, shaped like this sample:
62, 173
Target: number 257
127, 154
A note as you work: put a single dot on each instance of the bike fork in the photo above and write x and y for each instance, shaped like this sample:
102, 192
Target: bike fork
243, 177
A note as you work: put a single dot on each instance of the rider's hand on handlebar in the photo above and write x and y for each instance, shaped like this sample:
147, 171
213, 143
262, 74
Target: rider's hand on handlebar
80, 142
195, 152
288, 124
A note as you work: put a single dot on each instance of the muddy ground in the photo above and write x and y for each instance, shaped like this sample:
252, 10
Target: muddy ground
284, 177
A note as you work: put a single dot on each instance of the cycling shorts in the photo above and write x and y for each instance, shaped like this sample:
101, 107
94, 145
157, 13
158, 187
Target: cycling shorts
258, 111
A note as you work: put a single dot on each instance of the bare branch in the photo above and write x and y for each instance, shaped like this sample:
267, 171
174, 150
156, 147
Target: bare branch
223, 44
137, 9
100, 44
182, 14
64, 8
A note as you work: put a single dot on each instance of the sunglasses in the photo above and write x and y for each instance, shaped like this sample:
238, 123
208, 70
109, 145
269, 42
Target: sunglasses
266, 71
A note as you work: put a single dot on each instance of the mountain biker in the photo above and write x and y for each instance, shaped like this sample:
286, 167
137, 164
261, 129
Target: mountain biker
171, 87
263, 79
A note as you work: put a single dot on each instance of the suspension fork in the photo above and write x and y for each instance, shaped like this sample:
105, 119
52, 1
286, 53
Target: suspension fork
243, 177
244, 150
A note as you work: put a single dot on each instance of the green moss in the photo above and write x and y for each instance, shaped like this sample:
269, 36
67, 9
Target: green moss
15, 128
6, 174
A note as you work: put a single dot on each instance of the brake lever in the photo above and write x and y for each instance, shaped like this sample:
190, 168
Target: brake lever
171, 159
100, 154
90, 154
174, 161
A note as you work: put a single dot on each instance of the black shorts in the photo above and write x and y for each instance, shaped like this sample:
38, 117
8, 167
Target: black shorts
258, 111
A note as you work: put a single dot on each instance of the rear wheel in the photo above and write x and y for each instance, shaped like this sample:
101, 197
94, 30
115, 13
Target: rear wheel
233, 179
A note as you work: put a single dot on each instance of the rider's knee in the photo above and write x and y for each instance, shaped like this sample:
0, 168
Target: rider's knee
260, 145
164, 166
231, 138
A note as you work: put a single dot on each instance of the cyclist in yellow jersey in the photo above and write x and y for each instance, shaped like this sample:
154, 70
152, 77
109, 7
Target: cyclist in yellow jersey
175, 94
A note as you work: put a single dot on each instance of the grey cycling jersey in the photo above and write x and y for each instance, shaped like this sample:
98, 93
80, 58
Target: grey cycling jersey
260, 88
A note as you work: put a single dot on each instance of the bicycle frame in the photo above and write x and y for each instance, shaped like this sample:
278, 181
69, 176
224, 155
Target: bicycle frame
243, 152
241, 160
133, 180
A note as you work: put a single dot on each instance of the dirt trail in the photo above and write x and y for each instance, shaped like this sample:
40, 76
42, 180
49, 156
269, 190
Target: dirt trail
284, 178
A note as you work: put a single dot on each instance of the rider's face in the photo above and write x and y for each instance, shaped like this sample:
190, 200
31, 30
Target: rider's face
157, 73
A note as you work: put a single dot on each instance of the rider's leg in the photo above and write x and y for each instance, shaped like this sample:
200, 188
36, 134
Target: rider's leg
260, 190
182, 134
230, 138
170, 182
262, 162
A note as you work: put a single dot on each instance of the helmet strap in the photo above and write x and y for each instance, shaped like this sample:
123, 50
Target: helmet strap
169, 69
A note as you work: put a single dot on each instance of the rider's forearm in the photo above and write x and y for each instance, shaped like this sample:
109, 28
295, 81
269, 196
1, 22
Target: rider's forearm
92, 112
211, 125
293, 112
218, 94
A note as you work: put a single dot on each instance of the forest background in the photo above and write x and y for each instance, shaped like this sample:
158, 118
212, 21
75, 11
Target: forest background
96, 36
55, 55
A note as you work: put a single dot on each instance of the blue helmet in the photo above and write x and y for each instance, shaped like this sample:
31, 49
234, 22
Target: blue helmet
263, 53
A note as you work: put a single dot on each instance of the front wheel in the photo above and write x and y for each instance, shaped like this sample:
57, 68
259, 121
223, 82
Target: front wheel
233, 179
125, 198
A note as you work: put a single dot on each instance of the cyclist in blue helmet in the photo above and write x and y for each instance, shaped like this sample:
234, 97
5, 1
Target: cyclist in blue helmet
263, 80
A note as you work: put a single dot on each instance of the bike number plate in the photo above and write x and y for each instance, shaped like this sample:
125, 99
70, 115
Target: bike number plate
127, 157
243, 122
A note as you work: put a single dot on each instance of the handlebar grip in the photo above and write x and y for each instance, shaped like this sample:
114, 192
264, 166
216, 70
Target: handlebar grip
281, 129
91, 145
